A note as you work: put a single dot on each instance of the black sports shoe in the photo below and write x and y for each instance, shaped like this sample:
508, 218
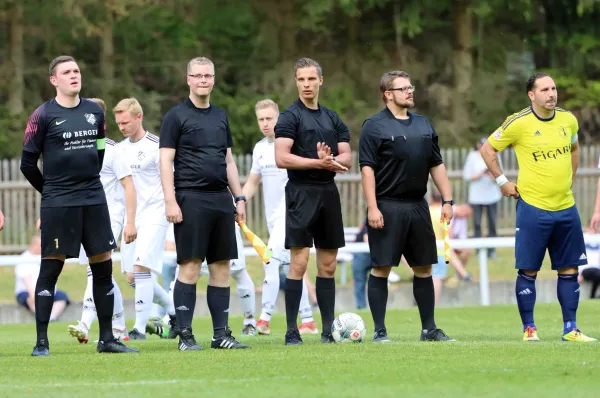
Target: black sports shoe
227, 341
292, 337
435, 335
136, 335
114, 347
41, 349
327, 338
173, 328
187, 342
380, 336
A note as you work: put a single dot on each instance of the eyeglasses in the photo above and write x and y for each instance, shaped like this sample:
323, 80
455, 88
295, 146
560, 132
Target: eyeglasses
407, 89
200, 76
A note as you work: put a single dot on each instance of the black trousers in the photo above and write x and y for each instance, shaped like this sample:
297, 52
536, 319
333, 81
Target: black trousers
492, 214
592, 275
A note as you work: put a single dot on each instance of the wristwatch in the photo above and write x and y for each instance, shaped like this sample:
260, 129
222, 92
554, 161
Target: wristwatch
449, 202
238, 198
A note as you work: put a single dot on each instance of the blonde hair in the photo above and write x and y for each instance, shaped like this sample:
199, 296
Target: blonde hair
266, 103
199, 61
387, 81
130, 105
99, 102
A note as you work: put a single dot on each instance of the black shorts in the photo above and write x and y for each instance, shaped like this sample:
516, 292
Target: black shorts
208, 227
314, 212
407, 232
65, 229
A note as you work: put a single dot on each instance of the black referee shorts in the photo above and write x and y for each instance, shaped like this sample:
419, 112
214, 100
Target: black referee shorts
208, 227
65, 229
407, 231
314, 213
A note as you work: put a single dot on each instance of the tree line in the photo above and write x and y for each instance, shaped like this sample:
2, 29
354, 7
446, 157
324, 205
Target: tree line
468, 59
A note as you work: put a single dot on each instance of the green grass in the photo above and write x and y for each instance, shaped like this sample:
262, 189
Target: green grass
488, 361
72, 279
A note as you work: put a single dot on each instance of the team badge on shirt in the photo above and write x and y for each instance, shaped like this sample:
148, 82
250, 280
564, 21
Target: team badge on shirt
91, 118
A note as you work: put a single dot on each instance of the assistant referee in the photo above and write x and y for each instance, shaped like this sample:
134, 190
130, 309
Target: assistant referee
398, 150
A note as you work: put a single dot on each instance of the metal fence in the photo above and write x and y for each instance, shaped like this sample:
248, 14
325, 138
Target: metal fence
20, 202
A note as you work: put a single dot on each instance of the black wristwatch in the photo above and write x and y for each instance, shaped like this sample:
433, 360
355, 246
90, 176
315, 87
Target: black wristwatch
237, 199
449, 202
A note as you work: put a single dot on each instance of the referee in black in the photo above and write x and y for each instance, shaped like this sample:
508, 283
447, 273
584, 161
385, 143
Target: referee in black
398, 150
69, 132
312, 143
198, 176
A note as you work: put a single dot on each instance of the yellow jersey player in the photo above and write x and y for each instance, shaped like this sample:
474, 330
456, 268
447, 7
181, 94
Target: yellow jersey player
544, 138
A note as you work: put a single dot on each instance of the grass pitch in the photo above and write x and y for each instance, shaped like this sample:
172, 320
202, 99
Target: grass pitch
489, 360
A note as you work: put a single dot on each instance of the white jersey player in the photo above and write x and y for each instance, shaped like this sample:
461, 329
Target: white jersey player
274, 181
120, 195
142, 260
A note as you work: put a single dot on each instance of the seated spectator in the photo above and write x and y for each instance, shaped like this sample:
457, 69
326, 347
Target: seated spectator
591, 272
26, 275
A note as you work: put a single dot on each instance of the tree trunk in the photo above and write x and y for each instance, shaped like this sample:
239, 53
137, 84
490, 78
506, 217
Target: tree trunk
107, 51
17, 60
462, 64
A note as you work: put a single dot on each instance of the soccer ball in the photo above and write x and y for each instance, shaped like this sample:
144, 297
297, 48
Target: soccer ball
348, 328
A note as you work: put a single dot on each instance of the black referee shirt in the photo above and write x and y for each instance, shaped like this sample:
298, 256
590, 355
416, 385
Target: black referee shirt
307, 127
201, 138
401, 152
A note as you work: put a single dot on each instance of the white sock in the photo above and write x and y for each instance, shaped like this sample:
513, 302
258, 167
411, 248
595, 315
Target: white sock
161, 297
270, 289
306, 314
89, 306
245, 289
118, 320
144, 292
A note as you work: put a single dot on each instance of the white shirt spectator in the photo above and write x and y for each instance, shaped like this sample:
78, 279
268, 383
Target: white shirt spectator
484, 190
29, 268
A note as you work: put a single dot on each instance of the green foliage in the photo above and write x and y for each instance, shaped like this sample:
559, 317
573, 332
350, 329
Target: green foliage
254, 44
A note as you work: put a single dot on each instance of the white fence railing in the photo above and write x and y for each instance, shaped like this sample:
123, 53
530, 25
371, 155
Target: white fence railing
476, 243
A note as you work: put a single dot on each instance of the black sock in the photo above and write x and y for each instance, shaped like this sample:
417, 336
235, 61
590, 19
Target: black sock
184, 299
425, 298
217, 299
293, 294
104, 297
50, 269
378, 296
325, 288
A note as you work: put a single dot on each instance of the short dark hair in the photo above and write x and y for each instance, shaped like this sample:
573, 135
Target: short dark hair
307, 63
530, 85
59, 60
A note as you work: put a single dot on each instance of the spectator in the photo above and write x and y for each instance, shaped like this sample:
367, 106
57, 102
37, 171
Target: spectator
591, 272
26, 275
459, 229
484, 193
361, 265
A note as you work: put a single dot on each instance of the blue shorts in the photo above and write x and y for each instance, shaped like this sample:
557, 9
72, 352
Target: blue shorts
59, 295
440, 270
558, 231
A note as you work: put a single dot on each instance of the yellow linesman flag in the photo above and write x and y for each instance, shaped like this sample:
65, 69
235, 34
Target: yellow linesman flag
446, 241
260, 247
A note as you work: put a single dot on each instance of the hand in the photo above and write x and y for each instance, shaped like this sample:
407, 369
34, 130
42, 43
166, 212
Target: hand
240, 211
129, 233
594, 222
1, 220
323, 150
31, 302
328, 161
510, 189
447, 213
38, 224
375, 218
173, 212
